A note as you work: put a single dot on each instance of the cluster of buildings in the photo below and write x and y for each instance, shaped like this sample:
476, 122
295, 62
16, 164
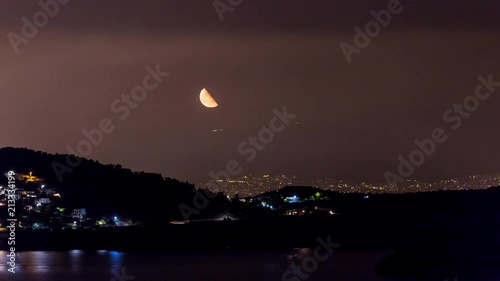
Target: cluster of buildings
39, 206
410, 186
293, 205
250, 186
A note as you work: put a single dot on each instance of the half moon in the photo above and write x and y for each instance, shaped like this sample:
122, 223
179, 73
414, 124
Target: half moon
207, 99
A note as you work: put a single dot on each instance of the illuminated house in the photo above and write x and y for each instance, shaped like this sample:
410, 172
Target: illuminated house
298, 212
43, 201
79, 213
308, 211
30, 194
29, 178
293, 199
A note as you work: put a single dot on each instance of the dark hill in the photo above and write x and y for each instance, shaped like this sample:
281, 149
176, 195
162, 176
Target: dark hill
104, 189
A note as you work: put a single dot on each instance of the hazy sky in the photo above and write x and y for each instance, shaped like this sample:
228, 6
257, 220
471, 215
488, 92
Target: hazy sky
355, 119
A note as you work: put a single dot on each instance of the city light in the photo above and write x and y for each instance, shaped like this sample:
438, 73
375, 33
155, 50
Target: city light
249, 186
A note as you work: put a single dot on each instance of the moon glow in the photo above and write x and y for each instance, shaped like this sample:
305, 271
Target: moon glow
207, 99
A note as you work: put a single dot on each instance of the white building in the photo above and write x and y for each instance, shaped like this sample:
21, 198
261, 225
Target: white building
44, 200
78, 213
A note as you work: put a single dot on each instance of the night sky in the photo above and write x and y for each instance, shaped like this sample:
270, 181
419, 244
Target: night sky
354, 119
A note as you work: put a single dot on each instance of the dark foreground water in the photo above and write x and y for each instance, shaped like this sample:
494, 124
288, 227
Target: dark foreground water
221, 266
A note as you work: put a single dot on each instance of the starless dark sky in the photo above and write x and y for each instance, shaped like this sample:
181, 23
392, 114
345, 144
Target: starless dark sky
355, 119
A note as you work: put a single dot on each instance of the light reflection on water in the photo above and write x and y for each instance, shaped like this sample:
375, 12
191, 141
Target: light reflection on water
40, 262
79, 265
